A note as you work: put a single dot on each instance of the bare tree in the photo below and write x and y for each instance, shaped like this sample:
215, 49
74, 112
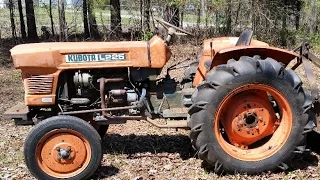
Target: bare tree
171, 14
92, 20
115, 17
62, 21
13, 26
141, 15
198, 15
313, 17
31, 22
238, 12
182, 13
146, 15
22, 25
51, 17
85, 18
253, 17
298, 13
229, 17
284, 33
203, 7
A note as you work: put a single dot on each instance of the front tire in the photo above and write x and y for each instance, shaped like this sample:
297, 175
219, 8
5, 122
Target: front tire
249, 116
63, 147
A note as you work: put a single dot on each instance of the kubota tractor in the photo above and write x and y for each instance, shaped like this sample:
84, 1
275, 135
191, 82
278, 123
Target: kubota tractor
246, 109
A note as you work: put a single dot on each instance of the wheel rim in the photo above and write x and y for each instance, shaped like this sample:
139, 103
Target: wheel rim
248, 127
63, 153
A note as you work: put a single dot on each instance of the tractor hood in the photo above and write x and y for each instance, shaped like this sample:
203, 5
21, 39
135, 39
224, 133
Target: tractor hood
68, 55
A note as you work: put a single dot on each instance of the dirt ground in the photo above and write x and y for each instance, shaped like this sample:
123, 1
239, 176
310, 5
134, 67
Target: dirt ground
135, 150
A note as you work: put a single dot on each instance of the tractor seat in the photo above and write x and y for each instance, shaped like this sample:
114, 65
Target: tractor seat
245, 38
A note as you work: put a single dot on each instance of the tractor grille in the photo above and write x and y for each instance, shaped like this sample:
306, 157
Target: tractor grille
40, 84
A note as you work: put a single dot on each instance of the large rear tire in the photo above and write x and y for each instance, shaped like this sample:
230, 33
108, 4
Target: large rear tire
249, 116
63, 147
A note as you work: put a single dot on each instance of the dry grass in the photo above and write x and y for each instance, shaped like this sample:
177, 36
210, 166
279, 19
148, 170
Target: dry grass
135, 150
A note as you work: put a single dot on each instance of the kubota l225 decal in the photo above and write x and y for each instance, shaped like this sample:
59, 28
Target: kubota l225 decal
78, 58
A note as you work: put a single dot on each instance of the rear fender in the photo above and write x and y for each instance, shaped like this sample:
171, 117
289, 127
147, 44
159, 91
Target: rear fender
222, 56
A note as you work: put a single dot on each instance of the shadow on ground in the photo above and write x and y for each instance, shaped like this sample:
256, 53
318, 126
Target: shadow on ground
105, 172
132, 144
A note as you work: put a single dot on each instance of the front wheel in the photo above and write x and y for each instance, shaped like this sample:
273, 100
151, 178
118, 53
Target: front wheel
249, 116
63, 147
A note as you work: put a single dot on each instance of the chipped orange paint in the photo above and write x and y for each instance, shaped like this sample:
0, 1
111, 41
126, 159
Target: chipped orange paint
224, 48
49, 59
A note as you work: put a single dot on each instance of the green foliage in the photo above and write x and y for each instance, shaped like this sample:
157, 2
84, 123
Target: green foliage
177, 3
101, 4
146, 36
219, 2
314, 39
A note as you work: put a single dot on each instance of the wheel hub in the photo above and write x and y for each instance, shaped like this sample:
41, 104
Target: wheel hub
251, 118
62, 152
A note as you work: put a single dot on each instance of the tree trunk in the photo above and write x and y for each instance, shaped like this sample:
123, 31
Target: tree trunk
172, 15
198, 16
85, 19
31, 22
284, 32
217, 22
238, 12
229, 20
253, 18
298, 14
51, 17
13, 25
94, 33
22, 25
182, 15
203, 9
141, 15
62, 21
115, 17
146, 16
313, 17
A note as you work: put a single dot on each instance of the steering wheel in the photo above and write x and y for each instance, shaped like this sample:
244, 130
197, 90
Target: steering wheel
168, 25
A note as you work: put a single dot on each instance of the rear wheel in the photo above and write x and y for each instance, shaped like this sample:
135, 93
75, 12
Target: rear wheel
63, 147
249, 116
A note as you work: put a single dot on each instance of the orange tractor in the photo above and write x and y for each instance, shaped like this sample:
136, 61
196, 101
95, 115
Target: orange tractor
246, 109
